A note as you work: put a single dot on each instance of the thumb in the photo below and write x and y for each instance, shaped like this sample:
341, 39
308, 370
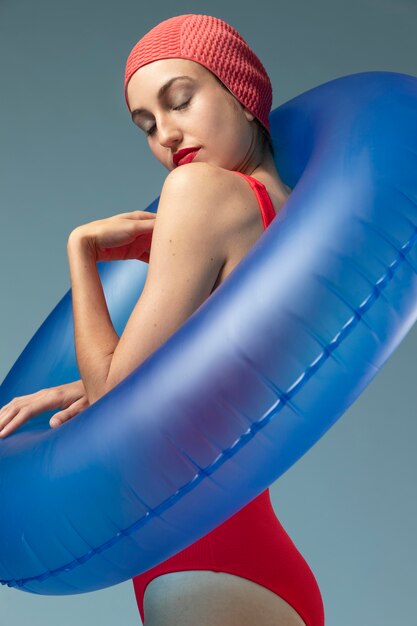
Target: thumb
63, 416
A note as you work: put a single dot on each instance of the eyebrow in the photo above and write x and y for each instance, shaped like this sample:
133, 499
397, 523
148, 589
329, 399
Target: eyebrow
162, 91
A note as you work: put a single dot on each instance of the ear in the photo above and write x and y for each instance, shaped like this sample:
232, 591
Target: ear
249, 116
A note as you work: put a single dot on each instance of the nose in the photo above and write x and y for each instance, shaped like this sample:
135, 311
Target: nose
169, 133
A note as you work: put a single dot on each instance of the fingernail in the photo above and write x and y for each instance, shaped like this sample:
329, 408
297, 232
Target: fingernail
53, 422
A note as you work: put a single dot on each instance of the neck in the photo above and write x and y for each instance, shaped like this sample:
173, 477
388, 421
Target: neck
267, 172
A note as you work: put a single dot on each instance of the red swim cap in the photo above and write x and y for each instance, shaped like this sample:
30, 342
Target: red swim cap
217, 46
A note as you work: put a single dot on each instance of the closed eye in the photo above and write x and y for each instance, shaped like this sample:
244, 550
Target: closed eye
178, 108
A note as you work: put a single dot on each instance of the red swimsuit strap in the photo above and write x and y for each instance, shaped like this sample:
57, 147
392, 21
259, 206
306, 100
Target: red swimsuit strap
265, 203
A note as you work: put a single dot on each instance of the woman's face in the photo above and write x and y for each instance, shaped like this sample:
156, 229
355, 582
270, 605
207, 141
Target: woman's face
191, 112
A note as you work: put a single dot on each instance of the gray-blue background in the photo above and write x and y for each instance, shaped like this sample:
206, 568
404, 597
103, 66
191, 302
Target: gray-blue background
70, 154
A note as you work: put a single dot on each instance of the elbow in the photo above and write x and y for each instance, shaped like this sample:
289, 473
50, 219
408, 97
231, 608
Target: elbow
93, 396
100, 391
97, 388
95, 391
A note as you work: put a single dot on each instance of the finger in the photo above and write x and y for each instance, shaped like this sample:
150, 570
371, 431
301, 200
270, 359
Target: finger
140, 227
3, 409
146, 215
137, 213
33, 403
14, 403
8, 412
12, 408
19, 419
63, 416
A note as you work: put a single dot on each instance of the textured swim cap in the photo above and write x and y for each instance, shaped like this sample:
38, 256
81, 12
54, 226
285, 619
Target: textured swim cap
217, 46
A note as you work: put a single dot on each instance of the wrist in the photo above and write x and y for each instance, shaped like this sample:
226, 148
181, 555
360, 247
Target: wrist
79, 242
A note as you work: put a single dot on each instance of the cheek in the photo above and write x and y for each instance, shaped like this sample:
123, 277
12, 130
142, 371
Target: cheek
220, 121
207, 120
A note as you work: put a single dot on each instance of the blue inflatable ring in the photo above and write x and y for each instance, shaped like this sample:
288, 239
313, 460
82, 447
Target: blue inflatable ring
250, 382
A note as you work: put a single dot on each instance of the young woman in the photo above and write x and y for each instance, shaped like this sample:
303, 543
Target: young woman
202, 98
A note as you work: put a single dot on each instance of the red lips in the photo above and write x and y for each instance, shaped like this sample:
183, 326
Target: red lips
182, 153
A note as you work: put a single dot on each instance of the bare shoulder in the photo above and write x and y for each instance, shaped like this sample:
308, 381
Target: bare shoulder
216, 193
216, 204
201, 178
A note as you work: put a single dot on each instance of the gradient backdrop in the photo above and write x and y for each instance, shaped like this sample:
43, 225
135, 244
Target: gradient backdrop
69, 154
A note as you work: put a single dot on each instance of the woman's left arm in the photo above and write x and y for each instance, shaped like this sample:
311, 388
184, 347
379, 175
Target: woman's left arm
187, 253
94, 334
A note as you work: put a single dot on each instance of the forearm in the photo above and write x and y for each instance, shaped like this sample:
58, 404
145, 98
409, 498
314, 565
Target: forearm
94, 334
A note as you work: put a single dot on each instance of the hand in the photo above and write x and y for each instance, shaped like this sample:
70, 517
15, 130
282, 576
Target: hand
71, 398
119, 237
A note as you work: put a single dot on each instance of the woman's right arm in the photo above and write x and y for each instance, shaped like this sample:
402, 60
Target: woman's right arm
70, 398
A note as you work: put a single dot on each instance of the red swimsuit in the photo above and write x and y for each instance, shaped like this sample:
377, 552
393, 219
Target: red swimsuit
252, 543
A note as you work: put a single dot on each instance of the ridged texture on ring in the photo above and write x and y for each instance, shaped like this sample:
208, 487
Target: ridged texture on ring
217, 46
